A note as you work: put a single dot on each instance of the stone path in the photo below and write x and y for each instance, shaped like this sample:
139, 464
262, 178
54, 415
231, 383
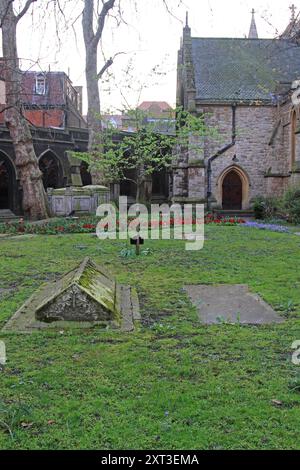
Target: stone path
230, 303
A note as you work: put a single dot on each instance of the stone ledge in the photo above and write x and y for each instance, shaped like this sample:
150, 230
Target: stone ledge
188, 200
277, 175
196, 164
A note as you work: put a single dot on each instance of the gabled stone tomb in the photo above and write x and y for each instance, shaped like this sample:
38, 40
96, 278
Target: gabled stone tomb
86, 296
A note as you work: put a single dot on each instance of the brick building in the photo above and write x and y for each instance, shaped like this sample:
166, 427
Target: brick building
53, 107
49, 98
244, 87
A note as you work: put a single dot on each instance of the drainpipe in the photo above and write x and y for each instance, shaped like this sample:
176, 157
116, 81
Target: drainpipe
220, 152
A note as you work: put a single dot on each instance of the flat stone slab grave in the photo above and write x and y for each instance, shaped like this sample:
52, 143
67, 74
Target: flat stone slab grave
232, 303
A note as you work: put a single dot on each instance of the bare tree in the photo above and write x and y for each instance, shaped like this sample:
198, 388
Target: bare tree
92, 39
35, 204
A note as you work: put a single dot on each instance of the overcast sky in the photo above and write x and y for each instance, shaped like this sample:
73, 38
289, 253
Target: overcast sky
151, 37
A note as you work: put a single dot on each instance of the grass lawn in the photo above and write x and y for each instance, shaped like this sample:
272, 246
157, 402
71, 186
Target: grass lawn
174, 383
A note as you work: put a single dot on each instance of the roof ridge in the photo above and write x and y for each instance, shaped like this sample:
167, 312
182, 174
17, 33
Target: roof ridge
239, 39
236, 69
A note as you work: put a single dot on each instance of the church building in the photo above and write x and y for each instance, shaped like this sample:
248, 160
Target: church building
246, 89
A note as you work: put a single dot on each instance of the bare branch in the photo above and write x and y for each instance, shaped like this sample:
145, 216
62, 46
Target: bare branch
25, 9
107, 6
165, 2
108, 64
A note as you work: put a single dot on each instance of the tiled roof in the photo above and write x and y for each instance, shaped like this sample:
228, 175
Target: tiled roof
243, 69
155, 106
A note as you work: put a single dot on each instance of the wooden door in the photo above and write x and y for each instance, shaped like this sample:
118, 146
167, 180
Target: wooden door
232, 191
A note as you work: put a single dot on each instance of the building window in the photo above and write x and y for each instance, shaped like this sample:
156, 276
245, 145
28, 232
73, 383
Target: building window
2, 92
40, 85
293, 139
71, 93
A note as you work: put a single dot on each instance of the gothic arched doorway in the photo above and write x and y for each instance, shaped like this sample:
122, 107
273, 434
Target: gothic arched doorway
7, 183
232, 191
51, 169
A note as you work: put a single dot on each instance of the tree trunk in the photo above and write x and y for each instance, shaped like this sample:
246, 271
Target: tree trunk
93, 95
91, 42
138, 192
93, 116
35, 203
141, 193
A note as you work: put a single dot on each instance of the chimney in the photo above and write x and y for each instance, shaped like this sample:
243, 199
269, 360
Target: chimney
79, 90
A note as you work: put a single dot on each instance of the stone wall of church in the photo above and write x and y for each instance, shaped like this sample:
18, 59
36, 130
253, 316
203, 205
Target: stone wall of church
251, 152
280, 162
254, 125
279, 152
261, 150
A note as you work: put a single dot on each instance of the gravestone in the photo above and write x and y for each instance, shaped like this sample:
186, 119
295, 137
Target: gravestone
84, 297
230, 303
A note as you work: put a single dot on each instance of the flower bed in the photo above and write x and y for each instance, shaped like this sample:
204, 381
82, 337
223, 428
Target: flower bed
271, 227
88, 225
212, 219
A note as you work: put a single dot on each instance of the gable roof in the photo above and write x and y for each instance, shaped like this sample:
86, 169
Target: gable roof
88, 277
155, 106
84, 297
229, 69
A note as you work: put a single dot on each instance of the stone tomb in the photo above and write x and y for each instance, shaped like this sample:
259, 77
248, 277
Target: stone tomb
86, 296
230, 303
78, 200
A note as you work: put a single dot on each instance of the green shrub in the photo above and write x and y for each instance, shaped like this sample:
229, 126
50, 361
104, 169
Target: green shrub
265, 207
291, 205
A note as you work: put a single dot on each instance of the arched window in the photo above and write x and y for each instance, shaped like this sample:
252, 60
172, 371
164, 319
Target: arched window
293, 138
51, 170
7, 183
